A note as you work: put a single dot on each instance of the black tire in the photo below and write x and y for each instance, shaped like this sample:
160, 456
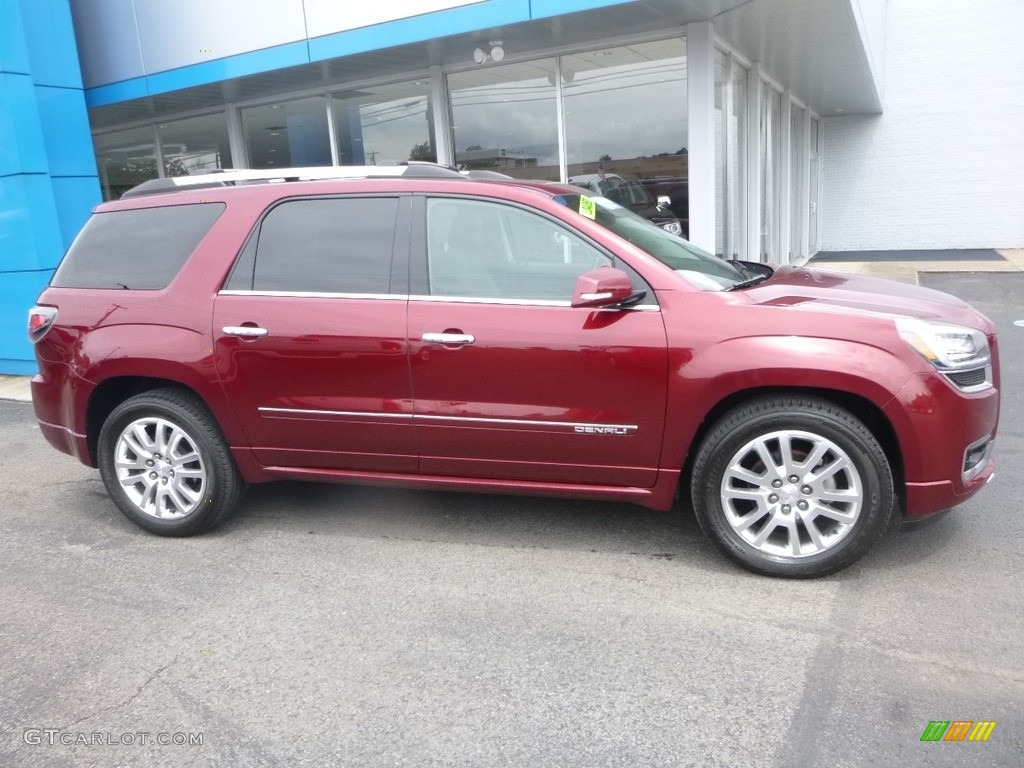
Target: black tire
197, 503
834, 512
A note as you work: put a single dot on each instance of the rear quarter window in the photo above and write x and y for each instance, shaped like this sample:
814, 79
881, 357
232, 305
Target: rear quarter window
141, 249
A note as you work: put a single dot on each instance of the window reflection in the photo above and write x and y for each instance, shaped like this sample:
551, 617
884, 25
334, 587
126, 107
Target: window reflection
292, 134
195, 145
125, 159
384, 125
626, 120
505, 119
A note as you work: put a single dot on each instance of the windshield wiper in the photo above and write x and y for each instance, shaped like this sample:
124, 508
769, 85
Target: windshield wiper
747, 283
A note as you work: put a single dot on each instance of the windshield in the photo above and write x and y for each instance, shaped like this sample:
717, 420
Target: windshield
707, 272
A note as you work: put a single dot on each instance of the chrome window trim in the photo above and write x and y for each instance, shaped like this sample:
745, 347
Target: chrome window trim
416, 297
313, 294
578, 427
528, 303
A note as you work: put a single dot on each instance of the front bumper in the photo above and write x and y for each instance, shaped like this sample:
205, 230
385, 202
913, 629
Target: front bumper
937, 426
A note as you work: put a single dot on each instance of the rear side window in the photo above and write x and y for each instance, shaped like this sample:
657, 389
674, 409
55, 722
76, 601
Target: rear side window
330, 245
141, 249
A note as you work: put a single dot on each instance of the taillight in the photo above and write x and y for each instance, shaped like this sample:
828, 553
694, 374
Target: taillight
39, 321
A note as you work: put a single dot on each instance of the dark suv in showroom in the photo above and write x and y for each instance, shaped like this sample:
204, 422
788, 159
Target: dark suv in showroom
409, 326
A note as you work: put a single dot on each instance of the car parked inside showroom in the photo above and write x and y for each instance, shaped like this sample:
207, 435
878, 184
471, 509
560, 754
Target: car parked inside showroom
631, 194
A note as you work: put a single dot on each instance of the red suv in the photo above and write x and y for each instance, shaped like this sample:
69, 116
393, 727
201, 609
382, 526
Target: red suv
409, 326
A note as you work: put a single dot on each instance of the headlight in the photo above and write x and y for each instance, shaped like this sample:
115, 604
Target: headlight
674, 227
959, 352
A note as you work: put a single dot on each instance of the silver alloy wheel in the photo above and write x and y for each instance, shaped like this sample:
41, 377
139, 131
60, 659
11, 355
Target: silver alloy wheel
159, 466
791, 494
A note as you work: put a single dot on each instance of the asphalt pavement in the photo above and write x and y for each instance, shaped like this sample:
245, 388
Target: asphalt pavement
328, 625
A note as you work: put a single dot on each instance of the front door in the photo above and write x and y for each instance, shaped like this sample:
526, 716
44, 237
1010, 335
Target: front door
310, 336
510, 381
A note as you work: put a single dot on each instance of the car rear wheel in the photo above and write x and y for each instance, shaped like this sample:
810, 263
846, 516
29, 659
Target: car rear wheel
166, 465
792, 486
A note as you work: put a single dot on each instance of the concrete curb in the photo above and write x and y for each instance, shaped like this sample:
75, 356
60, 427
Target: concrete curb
15, 388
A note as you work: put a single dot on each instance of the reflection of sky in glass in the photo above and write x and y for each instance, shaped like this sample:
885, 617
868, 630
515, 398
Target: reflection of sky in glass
392, 128
512, 109
625, 111
624, 102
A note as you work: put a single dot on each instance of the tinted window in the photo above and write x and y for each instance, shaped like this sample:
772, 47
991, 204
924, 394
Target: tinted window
139, 249
487, 250
339, 245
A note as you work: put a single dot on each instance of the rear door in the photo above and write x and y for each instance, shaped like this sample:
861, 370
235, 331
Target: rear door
309, 335
511, 381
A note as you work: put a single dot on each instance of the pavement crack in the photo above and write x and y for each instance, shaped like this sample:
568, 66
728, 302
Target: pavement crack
138, 691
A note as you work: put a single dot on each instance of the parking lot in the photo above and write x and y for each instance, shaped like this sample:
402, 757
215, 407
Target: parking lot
332, 625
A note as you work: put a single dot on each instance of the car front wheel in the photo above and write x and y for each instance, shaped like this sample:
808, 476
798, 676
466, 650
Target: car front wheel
166, 465
792, 486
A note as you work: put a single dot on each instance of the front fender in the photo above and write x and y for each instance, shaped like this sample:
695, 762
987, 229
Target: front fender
700, 380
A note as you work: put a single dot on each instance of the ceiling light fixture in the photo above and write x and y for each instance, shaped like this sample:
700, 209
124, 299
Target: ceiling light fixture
496, 53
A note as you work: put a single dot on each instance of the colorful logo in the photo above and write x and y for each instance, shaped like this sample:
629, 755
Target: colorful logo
958, 730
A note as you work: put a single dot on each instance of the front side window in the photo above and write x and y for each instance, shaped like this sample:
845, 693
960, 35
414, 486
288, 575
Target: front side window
492, 251
705, 271
331, 245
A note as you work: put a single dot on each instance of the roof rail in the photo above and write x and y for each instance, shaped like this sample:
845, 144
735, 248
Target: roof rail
277, 175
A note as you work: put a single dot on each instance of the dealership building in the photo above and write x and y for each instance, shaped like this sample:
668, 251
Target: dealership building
776, 128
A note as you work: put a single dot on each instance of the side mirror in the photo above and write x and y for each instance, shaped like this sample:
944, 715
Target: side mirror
602, 287
664, 201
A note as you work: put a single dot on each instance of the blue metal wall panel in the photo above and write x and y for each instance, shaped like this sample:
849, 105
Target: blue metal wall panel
21, 140
13, 51
30, 235
50, 37
74, 198
48, 179
65, 131
18, 292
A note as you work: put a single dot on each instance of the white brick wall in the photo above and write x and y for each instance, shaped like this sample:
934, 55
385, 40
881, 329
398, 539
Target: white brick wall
943, 166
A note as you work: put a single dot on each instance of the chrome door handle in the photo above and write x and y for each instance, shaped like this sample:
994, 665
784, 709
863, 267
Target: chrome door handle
450, 339
246, 331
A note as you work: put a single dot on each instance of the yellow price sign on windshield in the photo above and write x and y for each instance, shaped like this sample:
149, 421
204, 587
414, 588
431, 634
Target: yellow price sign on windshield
587, 207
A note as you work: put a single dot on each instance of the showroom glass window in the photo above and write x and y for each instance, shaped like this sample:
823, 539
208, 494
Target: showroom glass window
291, 134
798, 194
195, 145
626, 115
505, 119
384, 125
770, 172
730, 157
125, 159
328, 245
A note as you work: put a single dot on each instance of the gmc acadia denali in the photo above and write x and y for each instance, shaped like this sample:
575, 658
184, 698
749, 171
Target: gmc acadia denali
410, 326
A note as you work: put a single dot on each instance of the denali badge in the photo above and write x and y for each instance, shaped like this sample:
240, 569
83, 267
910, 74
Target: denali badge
582, 429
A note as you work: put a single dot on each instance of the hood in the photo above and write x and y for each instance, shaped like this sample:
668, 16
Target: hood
812, 289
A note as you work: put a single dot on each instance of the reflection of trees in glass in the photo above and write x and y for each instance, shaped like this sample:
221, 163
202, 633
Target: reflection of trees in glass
123, 173
423, 152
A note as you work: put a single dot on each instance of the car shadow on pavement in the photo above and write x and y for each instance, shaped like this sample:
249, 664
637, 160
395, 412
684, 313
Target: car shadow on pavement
468, 518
